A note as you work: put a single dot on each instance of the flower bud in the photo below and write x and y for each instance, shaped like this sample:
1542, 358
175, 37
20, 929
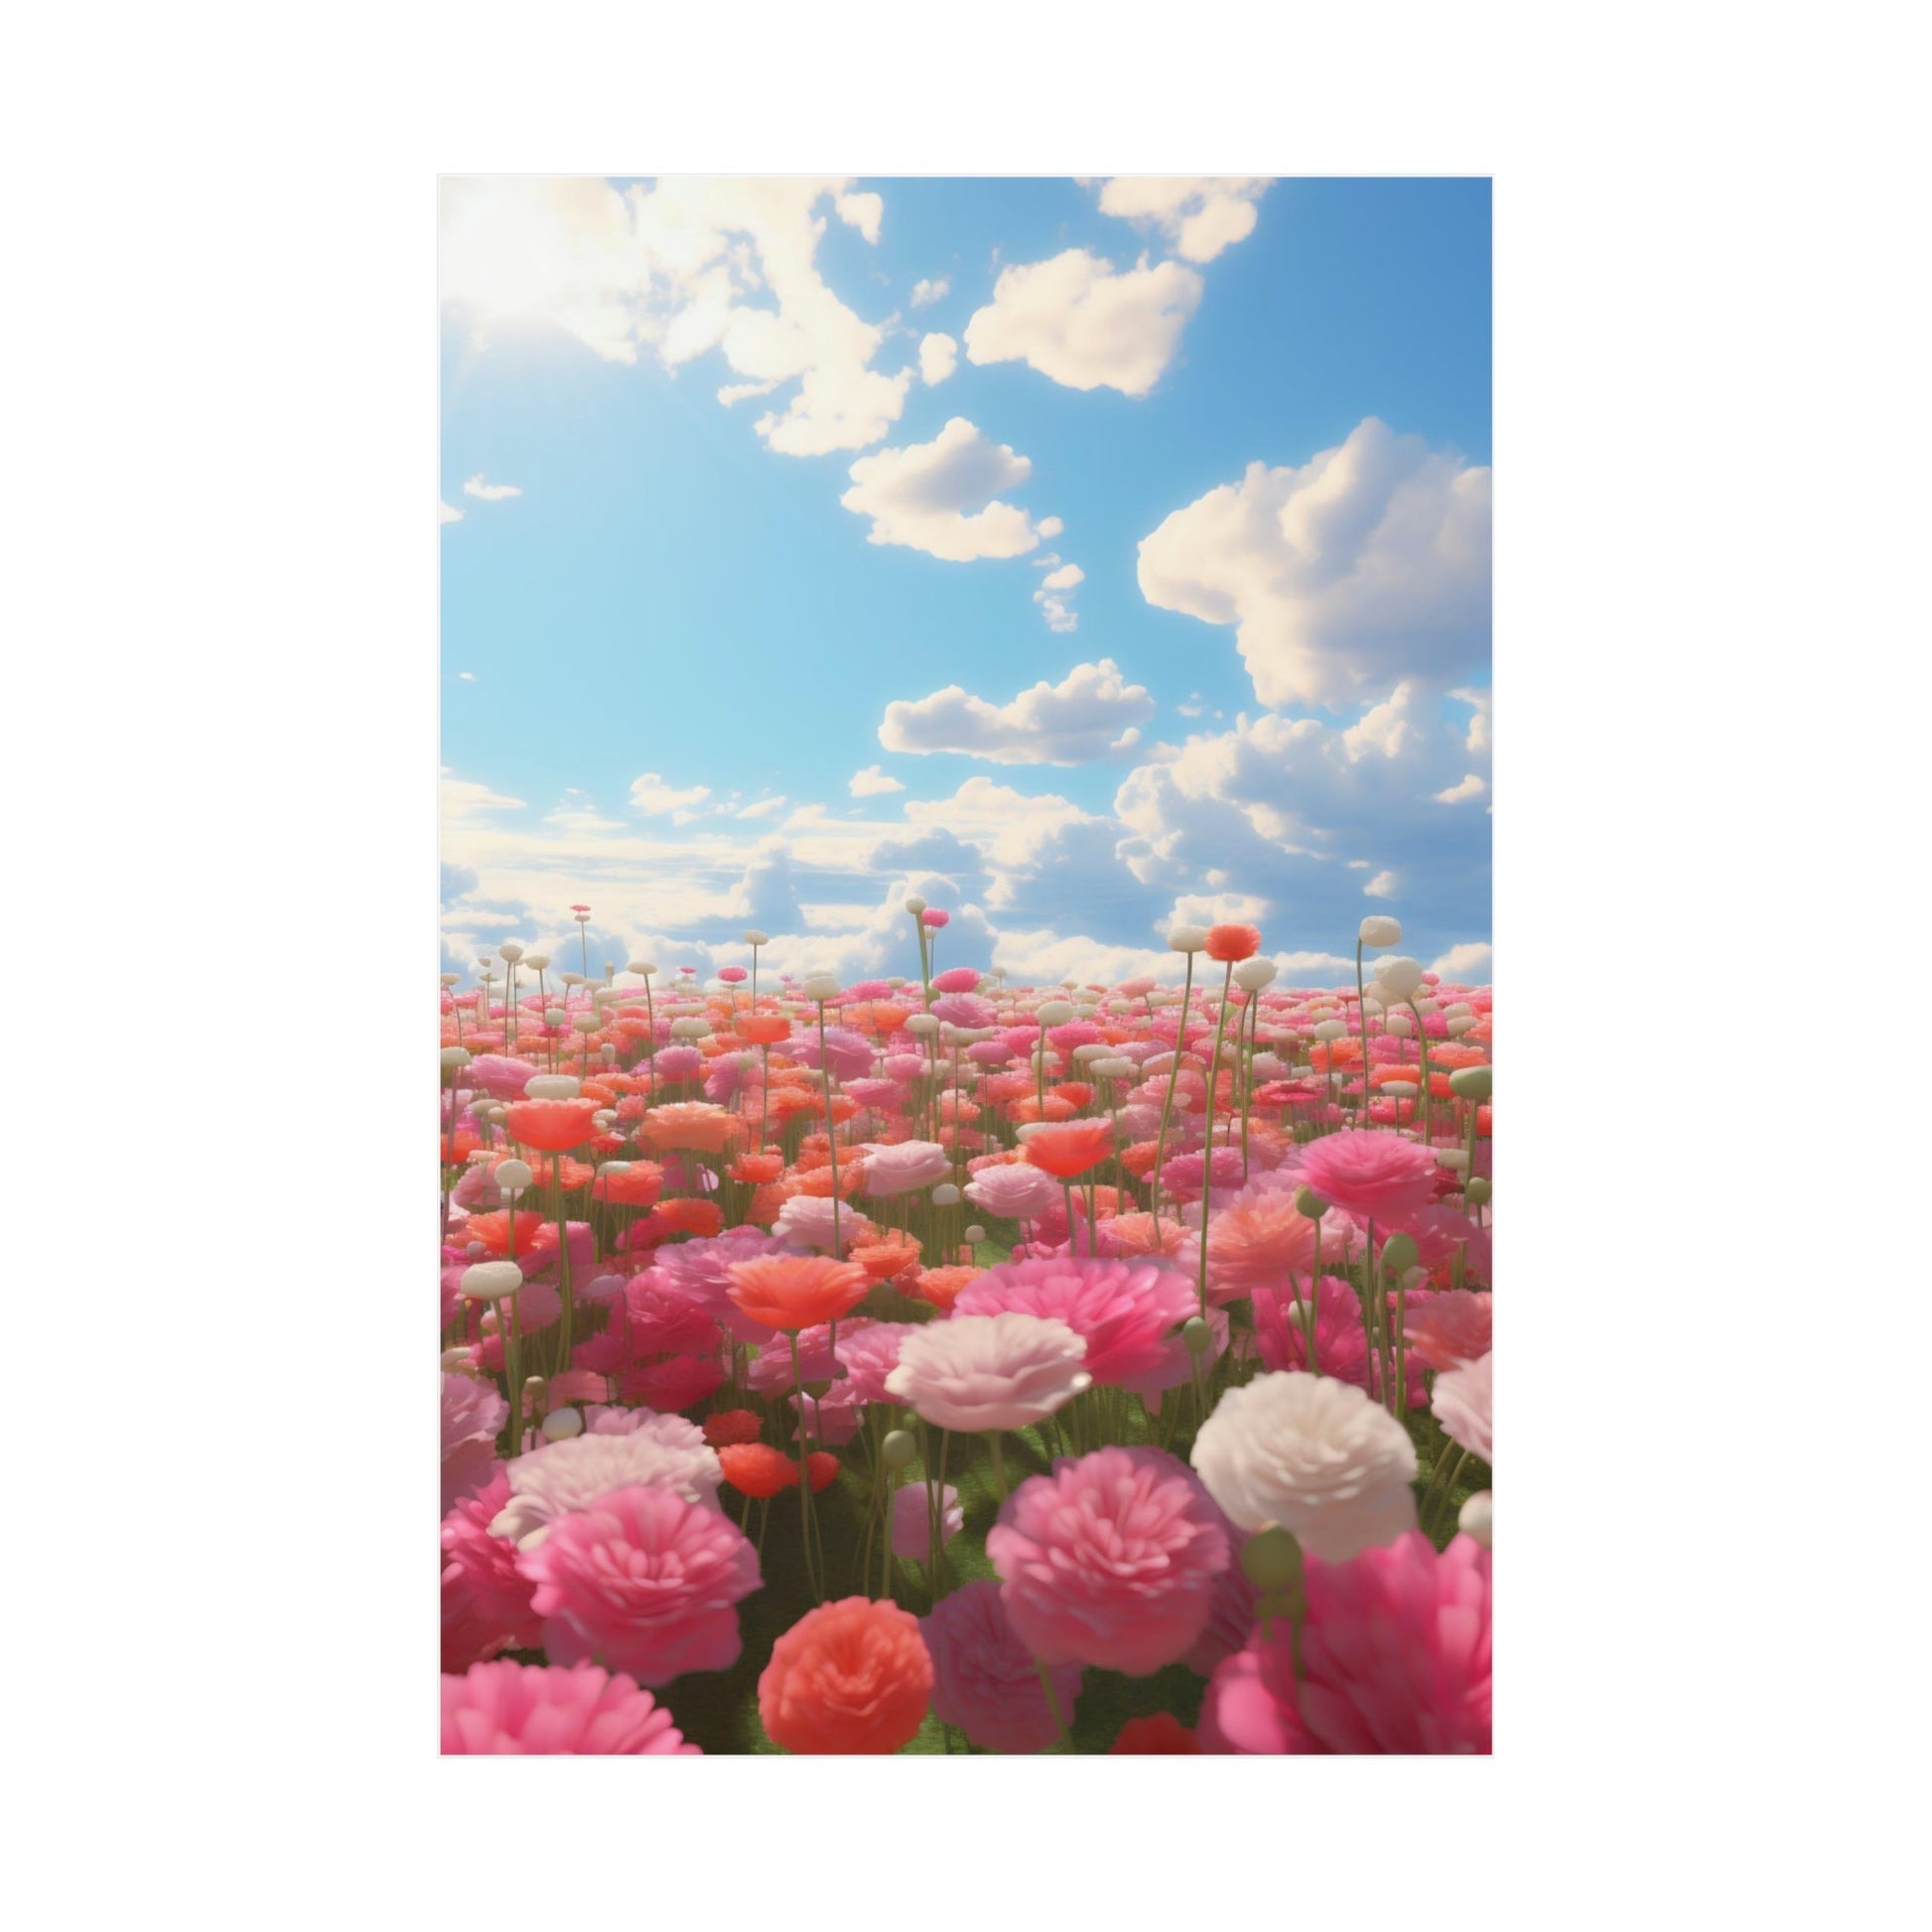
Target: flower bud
822, 987
511, 950
1398, 1025
1399, 977
1399, 1253
1470, 1083
1187, 938
560, 1425
753, 937
1400, 1089
898, 1448
1473, 1519
1199, 1336
1251, 975
536, 961
1309, 1205
554, 1017
641, 967
513, 1177
945, 1195
586, 1022
455, 1056
491, 1280
690, 1029
1331, 1030
915, 906
1479, 1191
1271, 1559
1056, 1012
1378, 930
551, 1086
974, 1234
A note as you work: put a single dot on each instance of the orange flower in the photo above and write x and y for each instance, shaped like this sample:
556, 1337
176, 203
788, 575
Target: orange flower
942, 1286
794, 1292
493, 1230
1232, 943
756, 1169
882, 1260
764, 1028
758, 1470
636, 1186
1069, 1149
1076, 1093
552, 1125
695, 1125
848, 1679
700, 1217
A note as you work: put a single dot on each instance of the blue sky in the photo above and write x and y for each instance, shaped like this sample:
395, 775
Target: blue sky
1260, 414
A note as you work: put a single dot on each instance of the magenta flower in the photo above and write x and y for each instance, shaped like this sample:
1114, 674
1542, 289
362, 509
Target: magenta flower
1124, 1310
984, 1679
1395, 1657
642, 1581
1374, 1177
848, 1054
911, 1521
1110, 1560
868, 1351
485, 1596
473, 1414
537, 1710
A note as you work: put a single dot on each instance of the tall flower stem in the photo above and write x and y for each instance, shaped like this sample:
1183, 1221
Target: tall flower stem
804, 1480
1167, 1105
506, 1334
831, 1133
1207, 1156
999, 1463
1361, 1012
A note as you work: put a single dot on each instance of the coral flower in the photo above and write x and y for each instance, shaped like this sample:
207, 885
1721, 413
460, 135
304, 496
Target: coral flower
1110, 1560
1395, 1655
1161, 1736
731, 1426
552, 1125
764, 1028
642, 1581
756, 1169
1069, 1149
985, 1678
757, 1469
692, 1125
1374, 1177
848, 1679
508, 1710
635, 1184
1451, 1328
684, 1216
942, 1287
1230, 945
794, 1292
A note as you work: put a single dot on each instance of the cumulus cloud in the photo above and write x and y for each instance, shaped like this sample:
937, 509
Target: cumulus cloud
1093, 712
1366, 564
1384, 885
651, 796
486, 491
929, 290
765, 808
677, 269
1463, 963
1468, 786
938, 358
576, 811
871, 782
1198, 215
1076, 320
445, 515
923, 497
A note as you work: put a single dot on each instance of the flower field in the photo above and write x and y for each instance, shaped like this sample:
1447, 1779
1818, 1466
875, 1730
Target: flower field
940, 1366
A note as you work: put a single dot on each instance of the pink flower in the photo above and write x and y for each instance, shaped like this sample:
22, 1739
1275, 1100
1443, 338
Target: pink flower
540, 1710
1373, 1177
848, 1054
1451, 1328
868, 1352
1341, 1342
1123, 1310
664, 1452
473, 1414
1110, 1560
642, 1581
1462, 1402
1395, 1658
981, 1372
905, 1168
912, 1523
674, 1383
1016, 1192
485, 1596
497, 1076
956, 979
984, 1680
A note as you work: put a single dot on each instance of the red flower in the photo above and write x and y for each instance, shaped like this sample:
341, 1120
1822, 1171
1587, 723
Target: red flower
731, 1427
1232, 943
552, 1125
758, 1470
1071, 1148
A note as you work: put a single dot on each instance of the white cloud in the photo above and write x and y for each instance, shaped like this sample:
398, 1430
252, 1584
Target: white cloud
1383, 885
1064, 578
862, 212
1086, 716
1078, 321
925, 292
1469, 787
872, 782
468, 677
1461, 963
938, 358
651, 796
734, 393
679, 268
445, 515
922, 496
1199, 216
765, 808
1368, 563
1196, 909
488, 492
466, 805
576, 811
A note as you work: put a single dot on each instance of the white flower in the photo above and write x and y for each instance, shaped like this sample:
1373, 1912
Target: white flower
1251, 975
643, 968
1054, 1013
491, 1280
536, 961
989, 1371
1314, 1455
551, 1086
1398, 978
821, 986
1378, 930
1187, 938
511, 950
915, 906
753, 937
1461, 1400
665, 1452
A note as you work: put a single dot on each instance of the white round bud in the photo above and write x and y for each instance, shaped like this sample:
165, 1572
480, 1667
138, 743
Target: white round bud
551, 1086
560, 1425
1378, 930
455, 1057
1475, 1518
974, 1236
1398, 977
945, 1195
915, 906
690, 1029
511, 950
1187, 938
1251, 975
1056, 1012
513, 1177
822, 987
491, 1280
